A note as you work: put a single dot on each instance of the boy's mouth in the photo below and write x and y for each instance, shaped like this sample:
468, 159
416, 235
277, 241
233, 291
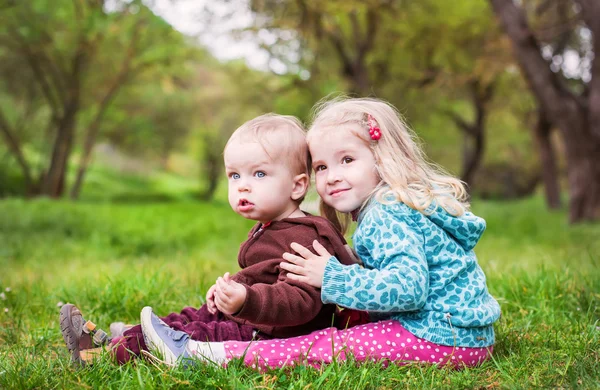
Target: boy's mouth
245, 205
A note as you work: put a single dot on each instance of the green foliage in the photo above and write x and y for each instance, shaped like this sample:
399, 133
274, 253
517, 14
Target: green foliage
11, 182
178, 99
62, 65
113, 259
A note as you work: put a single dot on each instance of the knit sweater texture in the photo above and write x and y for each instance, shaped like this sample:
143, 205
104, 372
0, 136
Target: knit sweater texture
420, 269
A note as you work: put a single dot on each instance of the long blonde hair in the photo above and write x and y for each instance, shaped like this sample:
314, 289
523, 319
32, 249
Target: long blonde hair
405, 173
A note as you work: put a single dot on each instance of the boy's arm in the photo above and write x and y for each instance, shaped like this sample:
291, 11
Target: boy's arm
284, 303
289, 302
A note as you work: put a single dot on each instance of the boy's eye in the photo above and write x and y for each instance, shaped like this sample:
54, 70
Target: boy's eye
347, 160
260, 174
320, 168
234, 176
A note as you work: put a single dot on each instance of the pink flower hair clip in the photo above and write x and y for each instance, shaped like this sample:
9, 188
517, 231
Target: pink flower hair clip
374, 130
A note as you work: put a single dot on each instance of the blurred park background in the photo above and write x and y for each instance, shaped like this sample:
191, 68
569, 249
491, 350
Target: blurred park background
502, 95
114, 114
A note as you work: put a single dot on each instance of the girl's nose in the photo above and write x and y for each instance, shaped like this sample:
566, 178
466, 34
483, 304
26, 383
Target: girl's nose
333, 176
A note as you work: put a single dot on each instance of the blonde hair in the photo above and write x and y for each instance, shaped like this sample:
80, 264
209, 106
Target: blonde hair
282, 137
405, 173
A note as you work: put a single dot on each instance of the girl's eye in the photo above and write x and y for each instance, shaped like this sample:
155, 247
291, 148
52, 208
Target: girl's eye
234, 176
320, 168
347, 160
260, 174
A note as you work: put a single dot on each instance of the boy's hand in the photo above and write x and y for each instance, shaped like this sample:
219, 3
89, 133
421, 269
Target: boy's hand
210, 299
229, 295
308, 267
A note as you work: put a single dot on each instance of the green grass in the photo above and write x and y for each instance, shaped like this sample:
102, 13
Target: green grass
112, 259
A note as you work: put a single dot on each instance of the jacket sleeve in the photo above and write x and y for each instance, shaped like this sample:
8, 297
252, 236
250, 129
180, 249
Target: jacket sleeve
397, 276
284, 303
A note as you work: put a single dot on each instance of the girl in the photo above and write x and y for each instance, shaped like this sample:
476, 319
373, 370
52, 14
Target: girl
415, 237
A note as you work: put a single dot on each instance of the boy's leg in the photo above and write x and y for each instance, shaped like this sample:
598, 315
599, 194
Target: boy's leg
199, 324
79, 334
131, 344
171, 345
220, 330
89, 355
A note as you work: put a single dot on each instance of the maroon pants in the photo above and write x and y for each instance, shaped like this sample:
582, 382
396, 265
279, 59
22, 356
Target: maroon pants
200, 324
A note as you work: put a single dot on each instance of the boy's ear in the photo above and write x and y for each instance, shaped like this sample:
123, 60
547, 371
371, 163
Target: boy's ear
300, 186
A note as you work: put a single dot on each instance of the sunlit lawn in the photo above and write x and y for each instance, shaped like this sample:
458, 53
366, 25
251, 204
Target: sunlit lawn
112, 259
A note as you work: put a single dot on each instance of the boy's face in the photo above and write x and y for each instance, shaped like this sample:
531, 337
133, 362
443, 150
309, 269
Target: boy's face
259, 188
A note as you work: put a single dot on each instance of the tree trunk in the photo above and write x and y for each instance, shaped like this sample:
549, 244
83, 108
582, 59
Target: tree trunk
54, 180
360, 85
474, 133
15, 149
352, 55
212, 166
473, 153
83, 165
542, 132
572, 115
54, 183
583, 173
213, 173
92, 133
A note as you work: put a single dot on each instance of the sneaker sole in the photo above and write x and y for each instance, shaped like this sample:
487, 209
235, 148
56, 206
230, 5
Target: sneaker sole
67, 327
153, 341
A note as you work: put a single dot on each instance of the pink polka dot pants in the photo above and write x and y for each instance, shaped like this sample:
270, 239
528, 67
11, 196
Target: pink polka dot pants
387, 341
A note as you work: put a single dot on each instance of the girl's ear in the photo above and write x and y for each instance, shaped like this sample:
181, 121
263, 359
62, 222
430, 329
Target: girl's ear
300, 186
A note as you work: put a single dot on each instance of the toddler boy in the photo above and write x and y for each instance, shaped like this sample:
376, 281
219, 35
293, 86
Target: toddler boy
268, 168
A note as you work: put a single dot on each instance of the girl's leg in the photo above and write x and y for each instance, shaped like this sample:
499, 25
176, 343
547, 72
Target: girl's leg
386, 340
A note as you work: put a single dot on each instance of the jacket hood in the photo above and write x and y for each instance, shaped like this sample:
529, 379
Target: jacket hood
466, 229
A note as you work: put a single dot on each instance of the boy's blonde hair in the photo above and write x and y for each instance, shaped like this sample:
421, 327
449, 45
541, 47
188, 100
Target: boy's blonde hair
283, 138
400, 161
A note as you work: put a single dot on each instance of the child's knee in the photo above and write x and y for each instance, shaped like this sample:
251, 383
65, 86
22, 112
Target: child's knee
119, 350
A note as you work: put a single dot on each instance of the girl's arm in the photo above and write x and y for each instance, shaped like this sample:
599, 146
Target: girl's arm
392, 246
397, 281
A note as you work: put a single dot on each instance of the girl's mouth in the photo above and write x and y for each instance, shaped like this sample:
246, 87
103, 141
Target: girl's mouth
336, 193
244, 205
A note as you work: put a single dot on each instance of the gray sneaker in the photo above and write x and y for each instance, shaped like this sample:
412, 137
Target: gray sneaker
164, 341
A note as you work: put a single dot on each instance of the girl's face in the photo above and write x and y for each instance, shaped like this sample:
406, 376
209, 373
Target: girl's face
345, 169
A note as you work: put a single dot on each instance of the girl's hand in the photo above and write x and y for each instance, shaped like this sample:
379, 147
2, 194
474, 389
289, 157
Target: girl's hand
309, 268
229, 295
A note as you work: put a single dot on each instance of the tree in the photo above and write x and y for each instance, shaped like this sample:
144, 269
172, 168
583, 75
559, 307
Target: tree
344, 32
575, 111
390, 49
542, 131
451, 51
77, 57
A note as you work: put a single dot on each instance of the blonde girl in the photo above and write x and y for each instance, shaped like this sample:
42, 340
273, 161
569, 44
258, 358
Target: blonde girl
420, 280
